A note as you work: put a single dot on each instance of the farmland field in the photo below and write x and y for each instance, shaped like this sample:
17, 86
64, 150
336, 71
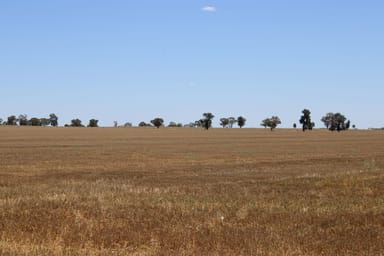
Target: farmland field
185, 191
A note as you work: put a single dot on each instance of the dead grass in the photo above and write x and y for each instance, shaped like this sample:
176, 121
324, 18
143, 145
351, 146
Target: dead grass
104, 191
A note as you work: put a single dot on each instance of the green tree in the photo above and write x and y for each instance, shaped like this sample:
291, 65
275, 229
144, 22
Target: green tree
45, 121
93, 123
241, 121
347, 125
198, 123
272, 122
207, 120
305, 120
76, 123
327, 119
53, 119
335, 122
34, 121
224, 122
12, 120
157, 122
23, 120
231, 121
338, 122
294, 125
172, 124
143, 124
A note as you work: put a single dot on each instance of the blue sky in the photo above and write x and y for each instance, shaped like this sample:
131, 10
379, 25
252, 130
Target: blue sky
129, 60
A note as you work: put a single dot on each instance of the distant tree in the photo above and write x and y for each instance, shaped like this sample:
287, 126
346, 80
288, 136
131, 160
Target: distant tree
354, 126
327, 119
128, 124
264, 123
339, 122
23, 120
172, 124
179, 125
115, 124
76, 123
224, 122
313, 124
190, 125
93, 123
294, 125
347, 125
45, 121
34, 121
53, 119
207, 120
231, 121
157, 122
143, 124
198, 123
12, 120
336, 122
272, 122
1, 121
305, 120
241, 121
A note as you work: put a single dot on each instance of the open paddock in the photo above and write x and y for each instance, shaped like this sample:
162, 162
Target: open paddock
187, 191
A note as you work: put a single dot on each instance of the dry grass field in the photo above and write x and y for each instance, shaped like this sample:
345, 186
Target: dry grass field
183, 191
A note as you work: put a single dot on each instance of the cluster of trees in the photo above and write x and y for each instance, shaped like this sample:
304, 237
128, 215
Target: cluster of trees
332, 121
230, 121
23, 120
77, 123
336, 122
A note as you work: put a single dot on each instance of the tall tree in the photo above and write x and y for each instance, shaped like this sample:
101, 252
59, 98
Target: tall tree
241, 121
305, 120
207, 120
53, 119
157, 122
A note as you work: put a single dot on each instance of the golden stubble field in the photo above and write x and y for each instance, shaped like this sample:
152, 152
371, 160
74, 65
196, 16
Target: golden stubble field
183, 191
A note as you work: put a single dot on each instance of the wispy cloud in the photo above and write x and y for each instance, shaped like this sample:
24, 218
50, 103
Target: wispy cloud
208, 8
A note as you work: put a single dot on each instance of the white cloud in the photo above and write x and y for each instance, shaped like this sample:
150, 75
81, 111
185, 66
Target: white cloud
208, 8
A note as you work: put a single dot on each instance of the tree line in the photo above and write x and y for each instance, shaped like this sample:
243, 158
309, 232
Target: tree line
332, 121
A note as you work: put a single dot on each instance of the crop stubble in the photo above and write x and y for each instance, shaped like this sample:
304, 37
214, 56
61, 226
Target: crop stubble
182, 191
